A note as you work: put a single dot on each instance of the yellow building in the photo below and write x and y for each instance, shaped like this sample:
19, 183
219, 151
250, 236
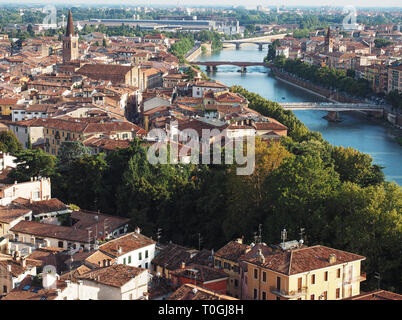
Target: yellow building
303, 273
227, 259
6, 105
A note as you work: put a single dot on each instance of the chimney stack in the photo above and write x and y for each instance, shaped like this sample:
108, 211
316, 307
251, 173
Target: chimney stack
332, 258
183, 265
119, 250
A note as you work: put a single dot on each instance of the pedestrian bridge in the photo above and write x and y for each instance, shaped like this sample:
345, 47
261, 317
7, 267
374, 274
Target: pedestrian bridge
330, 106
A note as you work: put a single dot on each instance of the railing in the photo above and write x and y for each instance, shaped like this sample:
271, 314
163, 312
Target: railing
361, 277
288, 294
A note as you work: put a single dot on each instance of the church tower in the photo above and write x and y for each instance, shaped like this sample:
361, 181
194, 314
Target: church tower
70, 41
329, 41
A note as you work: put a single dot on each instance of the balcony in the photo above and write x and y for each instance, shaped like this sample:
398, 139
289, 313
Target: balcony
289, 294
359, 278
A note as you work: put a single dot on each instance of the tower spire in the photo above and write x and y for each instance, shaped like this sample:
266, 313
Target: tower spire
70, 25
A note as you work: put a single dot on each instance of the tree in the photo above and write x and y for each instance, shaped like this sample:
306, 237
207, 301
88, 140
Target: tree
272, 50
356, 167
32, 163
70, 151
9, 142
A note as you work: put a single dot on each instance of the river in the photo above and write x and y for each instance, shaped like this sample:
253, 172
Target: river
354, 131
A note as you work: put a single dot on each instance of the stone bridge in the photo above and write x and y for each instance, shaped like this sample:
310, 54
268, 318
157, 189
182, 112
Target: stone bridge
334, 108
212, 65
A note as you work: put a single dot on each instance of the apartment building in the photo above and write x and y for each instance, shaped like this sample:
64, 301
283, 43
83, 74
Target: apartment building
303, 273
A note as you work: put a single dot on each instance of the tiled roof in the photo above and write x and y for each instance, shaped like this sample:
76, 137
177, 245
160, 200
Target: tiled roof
202, 273
376, 295
16, 266
192, 292
128, 243
304, 259
232, 251
173, 255
51, 231
115, 275
44, 206
9, 214
87, 221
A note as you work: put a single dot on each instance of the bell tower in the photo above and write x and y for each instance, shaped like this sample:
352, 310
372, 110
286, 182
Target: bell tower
70, 41
329, 41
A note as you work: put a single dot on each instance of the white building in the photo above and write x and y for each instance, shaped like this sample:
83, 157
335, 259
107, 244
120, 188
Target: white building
133, 249
200, 87
36, 190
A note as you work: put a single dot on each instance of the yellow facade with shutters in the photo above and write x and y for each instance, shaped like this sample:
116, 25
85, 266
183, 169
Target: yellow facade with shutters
331, 283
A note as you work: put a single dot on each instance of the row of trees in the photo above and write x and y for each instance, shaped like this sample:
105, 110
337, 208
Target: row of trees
330, 78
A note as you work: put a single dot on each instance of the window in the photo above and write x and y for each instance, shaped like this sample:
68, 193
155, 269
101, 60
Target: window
139, 255
236, 283
255, 274
218, 263
146, 265
338, 273
264, 295
278, 283
313, 279
325, 294
264, 276
129, 259
299, 284
337, 293
326, 276
4, 289
255, 294
146, 254
61, 244
124, 260
226, 265
312, 297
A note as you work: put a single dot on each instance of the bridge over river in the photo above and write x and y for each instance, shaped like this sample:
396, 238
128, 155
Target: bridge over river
334, 108
213, 65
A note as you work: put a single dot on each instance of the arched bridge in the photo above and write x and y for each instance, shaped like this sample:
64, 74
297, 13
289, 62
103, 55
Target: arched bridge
212, 65
238, 43
334, 108
331, 106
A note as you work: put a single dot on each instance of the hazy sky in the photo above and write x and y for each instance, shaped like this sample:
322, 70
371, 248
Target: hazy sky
247, 4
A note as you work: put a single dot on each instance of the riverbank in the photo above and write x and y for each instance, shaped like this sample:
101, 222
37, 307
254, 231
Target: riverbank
326, 95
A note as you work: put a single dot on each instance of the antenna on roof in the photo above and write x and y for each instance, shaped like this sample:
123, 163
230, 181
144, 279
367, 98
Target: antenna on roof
301, 241
377, 275
159, 235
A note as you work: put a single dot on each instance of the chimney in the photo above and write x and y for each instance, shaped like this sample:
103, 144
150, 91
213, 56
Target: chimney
183, 265
23, 262
332, 258
9, 268
137, 230
260, 256
240, 240
119, 250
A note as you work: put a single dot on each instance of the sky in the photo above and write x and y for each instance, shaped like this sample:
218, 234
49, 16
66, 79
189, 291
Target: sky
250, 4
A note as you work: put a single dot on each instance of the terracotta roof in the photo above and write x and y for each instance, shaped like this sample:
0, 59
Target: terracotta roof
44, 206
16, 266
51, 231
203, 273
305, 259
104, 69
127, 243
232, 251
172, 255
85, 221
192, 292
376, 295
115, 275
9, 214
